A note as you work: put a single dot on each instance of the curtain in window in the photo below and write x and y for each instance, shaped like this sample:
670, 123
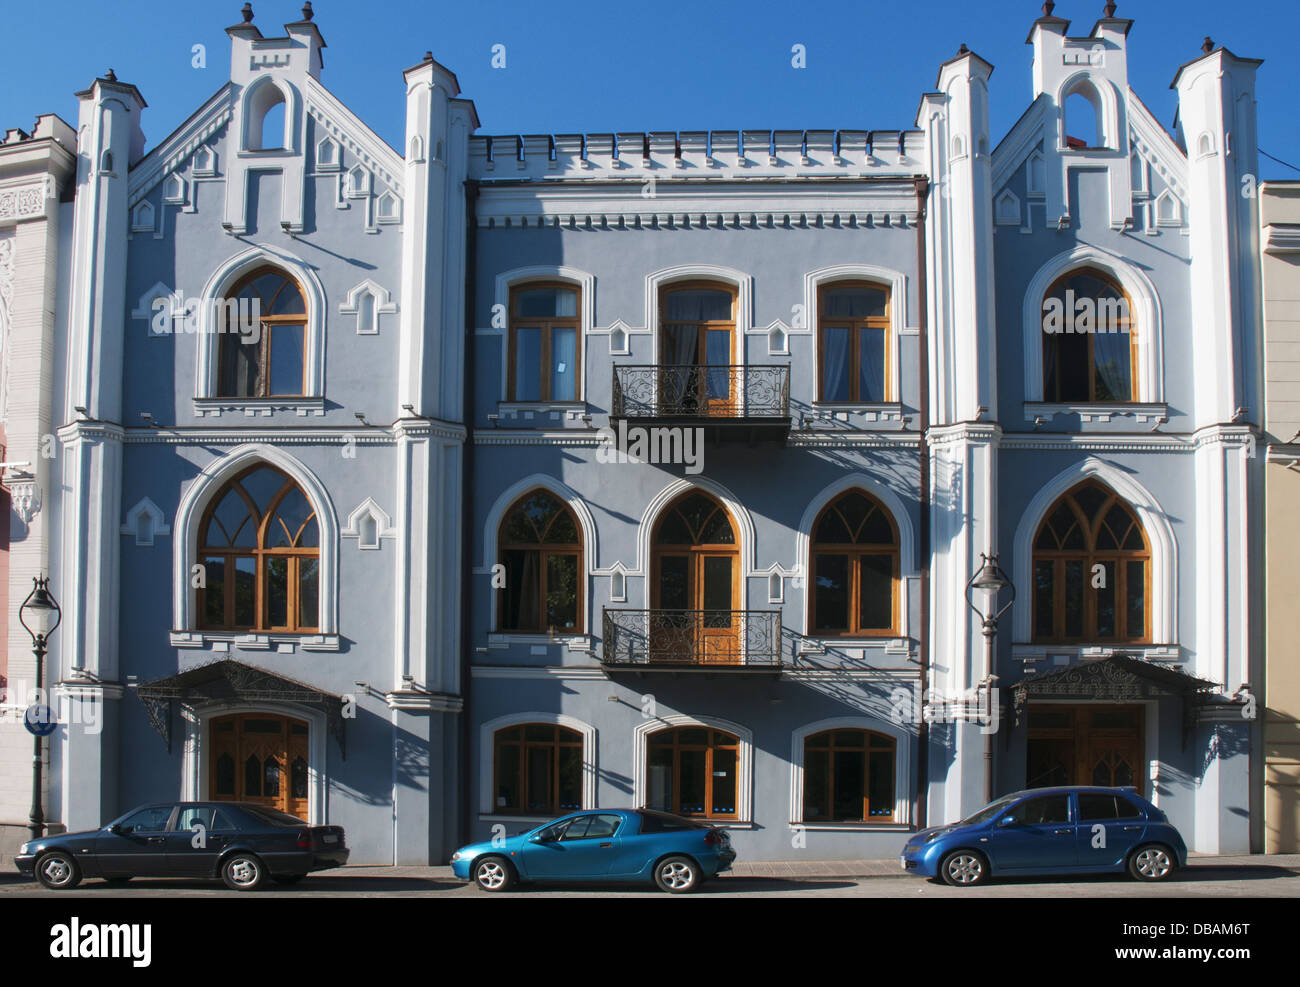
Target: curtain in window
836, 368
1114, 376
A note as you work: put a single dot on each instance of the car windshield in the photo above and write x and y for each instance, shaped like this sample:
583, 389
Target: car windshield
989, 811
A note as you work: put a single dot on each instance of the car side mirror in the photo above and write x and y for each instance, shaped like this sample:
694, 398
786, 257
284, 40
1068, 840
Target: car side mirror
1007, 821
117, 829
539, 838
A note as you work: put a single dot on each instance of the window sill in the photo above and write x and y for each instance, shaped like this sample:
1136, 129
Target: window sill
891, 642
827, 414
507, 639
1090, 412
285, 642
259, 407
1065, 654
541, 414
851, 827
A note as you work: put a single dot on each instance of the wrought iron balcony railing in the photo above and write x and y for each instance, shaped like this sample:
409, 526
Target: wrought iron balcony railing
710, 638
708, 392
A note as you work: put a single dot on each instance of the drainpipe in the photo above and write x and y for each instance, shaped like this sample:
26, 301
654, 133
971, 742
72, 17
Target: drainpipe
467, 514
922, 186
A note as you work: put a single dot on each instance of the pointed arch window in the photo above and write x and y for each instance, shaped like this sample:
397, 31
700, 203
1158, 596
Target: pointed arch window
259, 542
1089, 340
263, 326
855, 568
1092, 570
541, 552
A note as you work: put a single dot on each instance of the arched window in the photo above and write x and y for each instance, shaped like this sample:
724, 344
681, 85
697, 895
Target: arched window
1083, 120
855, 568
1091, 569
853, 351
692, 771
541, 550
260, 546
848, 777
545, 343
263, 325
266, 112
697, 347
537, 769
1088, 340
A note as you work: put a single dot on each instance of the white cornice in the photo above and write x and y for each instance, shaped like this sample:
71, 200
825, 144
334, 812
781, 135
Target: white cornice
1282, 238
180, 144
349, 130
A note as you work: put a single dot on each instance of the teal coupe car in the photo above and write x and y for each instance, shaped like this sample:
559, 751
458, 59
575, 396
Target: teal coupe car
602, 845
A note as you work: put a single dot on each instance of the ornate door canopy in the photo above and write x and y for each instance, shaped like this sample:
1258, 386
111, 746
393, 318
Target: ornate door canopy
233, 681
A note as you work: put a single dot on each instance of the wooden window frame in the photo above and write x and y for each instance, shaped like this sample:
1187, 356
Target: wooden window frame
268, 325
285, 798
870, 742
1088, 556
261, 557
1052, 390
557, 744
855, 553
672, 742
545, 324
695, 552
854, 325
701, 344
545, 551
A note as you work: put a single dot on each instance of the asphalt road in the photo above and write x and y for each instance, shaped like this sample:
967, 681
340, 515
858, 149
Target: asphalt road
1248, 879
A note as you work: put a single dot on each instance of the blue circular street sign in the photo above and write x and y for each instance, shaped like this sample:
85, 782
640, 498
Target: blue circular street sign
39, 720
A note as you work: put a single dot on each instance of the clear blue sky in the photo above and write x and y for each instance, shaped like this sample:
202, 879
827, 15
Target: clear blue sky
606, 65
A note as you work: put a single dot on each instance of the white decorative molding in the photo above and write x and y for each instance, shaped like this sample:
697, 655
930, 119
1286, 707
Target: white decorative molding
1006, 209
383, 304
1147, 321
369, 524
145, 510
25, 499
742, 282
6, 319
902, 763
142, 217
744, 756
388, 208
1281, 238
26, 201
583, 280
1155, 525
487, 753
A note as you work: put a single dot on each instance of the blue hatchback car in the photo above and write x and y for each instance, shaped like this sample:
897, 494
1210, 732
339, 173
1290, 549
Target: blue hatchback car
615, 845
1051, 831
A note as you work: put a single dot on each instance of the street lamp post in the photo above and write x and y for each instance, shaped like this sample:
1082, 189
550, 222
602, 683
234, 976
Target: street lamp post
43, 611
990, 581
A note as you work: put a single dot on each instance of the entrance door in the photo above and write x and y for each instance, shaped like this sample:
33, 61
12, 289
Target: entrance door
260, 758
695, 593
1085, 744
698, 349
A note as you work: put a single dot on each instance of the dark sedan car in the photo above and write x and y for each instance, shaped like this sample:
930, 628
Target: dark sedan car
241, 843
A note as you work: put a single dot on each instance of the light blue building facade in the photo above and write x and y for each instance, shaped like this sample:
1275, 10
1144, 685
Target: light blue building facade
564, 471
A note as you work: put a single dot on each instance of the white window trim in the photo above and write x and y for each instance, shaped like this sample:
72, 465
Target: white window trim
487, 732
1146, 317
744, 758
742, 282
189, 514
907, 569
894, 280
384, 304
492, 525
383, 524
1155, 524
196, 767
147, 508
222, 279
902, 769
583, 280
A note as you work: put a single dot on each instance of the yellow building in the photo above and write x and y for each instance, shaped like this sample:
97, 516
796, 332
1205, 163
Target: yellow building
1280, 242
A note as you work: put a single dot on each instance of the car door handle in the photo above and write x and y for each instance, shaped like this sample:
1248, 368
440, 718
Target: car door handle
1059, 832
157, 839
606, 844
1130, 828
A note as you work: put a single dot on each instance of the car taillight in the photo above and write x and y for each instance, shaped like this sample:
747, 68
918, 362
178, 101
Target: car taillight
713, 836
304, 840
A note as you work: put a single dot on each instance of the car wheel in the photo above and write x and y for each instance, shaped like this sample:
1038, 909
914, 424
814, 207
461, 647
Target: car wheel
118, 881
964, 869
243, 872
58, 871
677, 875
287, 878
494, 874
1152, 862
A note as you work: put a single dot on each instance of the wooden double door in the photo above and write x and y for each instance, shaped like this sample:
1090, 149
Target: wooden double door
260, 758
1085, 744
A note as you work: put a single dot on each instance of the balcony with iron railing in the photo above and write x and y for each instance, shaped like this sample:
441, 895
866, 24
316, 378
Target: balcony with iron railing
728, 401
692, 640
